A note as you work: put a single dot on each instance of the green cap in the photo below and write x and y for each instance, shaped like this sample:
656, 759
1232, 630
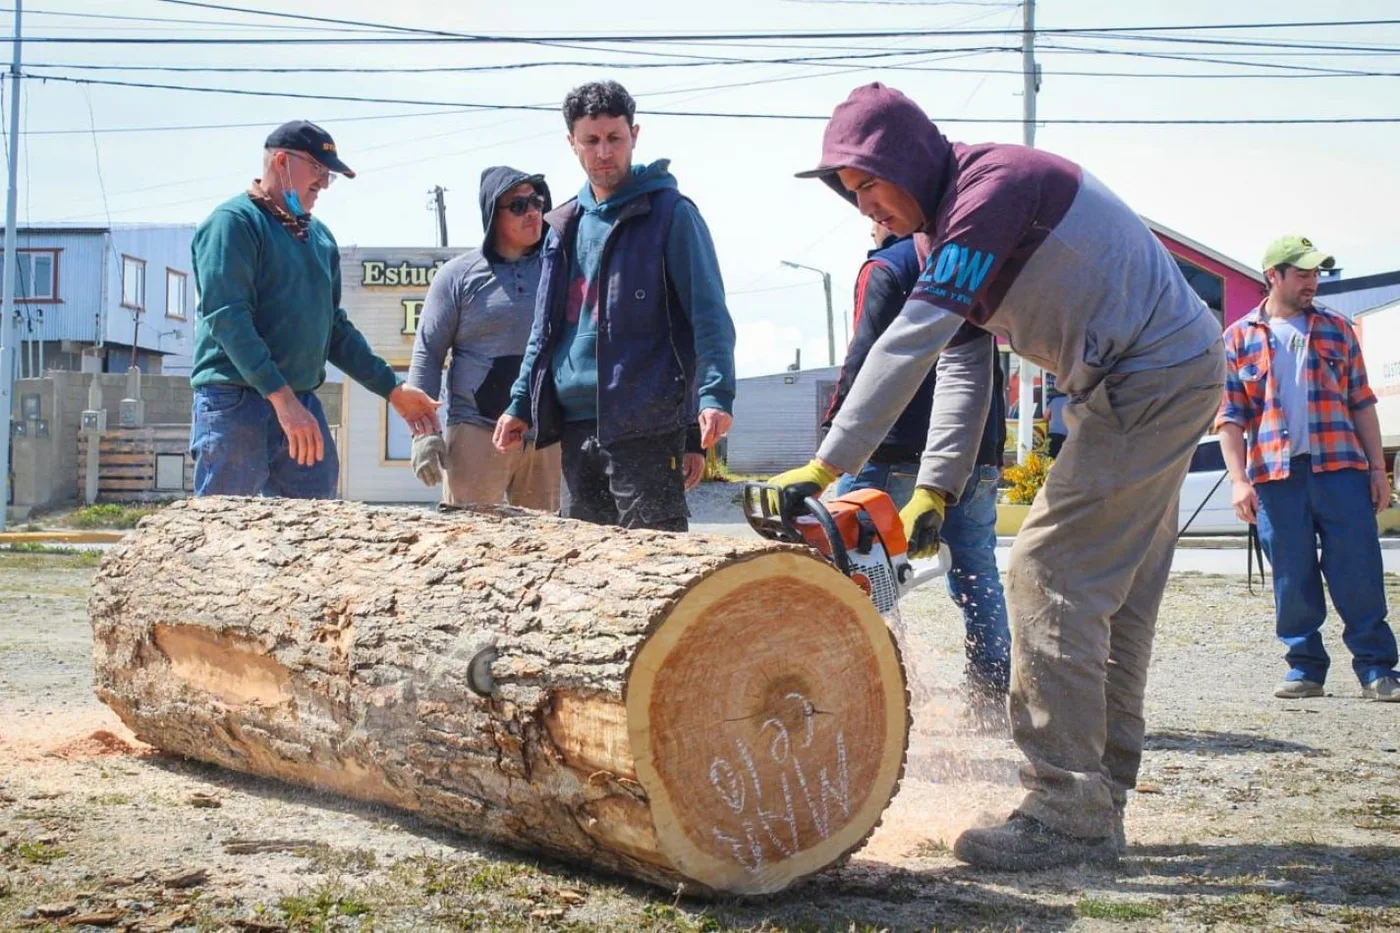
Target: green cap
1296, 251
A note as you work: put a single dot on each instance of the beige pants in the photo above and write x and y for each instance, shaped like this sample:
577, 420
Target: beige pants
1086, 577
478, 473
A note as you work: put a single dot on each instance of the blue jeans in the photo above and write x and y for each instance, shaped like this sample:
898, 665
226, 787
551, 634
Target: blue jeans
239, 448
970, 528
1335, 507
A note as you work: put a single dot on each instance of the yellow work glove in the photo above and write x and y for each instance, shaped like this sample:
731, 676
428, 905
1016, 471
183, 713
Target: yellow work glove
923, 518
796, 485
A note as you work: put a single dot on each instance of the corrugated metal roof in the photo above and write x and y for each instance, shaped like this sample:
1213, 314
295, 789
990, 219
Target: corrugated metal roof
777, 418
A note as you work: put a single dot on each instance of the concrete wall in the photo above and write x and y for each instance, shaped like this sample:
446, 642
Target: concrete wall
46, 468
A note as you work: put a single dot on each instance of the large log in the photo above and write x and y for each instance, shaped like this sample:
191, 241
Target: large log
705, 713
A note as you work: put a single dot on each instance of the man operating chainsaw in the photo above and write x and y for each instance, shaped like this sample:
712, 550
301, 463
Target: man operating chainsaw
1033, 248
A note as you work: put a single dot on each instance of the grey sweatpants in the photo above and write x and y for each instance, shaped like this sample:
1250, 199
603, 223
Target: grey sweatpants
1086, 577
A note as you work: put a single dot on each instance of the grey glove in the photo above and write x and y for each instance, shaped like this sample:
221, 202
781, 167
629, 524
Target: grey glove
429, 457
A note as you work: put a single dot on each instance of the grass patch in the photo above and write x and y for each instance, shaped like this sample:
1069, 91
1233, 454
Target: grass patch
81, 557
110, 800
1379, 812
40, 853
111, 515
330, 860
932, 848
318, 909
1091, 908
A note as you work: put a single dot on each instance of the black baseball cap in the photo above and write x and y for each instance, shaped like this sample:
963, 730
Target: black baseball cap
305, 136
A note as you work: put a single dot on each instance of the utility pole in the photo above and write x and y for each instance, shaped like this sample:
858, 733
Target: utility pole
439, 207
1025, 429
830, 314
7, 306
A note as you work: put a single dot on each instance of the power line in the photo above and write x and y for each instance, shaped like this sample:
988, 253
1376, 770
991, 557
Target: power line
165, 20
733, 115
834, 60
407, 35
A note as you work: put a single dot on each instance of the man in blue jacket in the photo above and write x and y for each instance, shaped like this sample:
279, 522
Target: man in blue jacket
882, 286
631, 335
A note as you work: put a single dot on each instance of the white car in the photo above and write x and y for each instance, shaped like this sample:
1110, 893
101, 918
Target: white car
1206, 488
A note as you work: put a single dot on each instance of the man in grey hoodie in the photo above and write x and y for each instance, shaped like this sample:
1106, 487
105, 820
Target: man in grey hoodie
1031, 247
479, 308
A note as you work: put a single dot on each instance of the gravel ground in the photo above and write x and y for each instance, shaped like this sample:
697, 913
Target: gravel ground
1251, 812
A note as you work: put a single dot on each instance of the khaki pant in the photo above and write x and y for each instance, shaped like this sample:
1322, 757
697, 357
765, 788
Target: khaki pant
1086, 577
478, 473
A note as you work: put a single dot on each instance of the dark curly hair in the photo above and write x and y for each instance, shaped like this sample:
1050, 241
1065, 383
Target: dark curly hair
598, 98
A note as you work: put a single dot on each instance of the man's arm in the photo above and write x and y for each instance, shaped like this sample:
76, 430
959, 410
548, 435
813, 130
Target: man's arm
1231, 423
693, 268
962, 396
225, 255
437, 331
878, 300
519, 407
1368, 431
894, 369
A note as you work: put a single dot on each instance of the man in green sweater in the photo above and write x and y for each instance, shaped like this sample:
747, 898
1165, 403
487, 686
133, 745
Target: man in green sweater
268, 320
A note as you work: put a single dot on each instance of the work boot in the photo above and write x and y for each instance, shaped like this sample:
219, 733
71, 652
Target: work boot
1024, 843
1299, 690
1385, 689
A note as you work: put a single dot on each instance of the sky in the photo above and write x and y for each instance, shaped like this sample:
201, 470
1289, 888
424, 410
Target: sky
1229, 185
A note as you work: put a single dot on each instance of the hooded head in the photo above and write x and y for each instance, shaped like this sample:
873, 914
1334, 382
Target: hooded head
496, 182
879, 132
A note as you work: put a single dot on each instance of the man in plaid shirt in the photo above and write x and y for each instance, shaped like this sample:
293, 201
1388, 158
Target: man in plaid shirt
1302, 444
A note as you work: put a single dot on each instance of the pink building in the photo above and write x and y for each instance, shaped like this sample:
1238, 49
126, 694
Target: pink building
1231, 288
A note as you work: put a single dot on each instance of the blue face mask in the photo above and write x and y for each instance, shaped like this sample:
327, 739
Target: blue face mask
290, 196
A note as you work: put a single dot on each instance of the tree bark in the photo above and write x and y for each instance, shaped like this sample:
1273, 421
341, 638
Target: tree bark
709, 714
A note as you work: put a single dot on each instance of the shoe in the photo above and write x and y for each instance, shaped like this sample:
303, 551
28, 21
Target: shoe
1384, 689
1298, 690
1023, 843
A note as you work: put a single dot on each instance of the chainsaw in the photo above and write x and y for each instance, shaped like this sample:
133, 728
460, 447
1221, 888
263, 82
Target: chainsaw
860, 533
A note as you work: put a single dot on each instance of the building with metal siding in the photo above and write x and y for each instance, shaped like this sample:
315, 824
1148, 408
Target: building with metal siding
70, 298
1361, 293
777, 419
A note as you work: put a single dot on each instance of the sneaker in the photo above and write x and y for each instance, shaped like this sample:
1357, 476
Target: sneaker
1298, 690
1384, 689
1023, 843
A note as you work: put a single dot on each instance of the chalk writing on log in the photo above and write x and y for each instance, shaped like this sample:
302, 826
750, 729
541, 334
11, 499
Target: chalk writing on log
769, 823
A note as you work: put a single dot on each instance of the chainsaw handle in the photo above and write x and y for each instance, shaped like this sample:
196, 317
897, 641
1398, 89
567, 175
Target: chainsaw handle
945, 563
839, 556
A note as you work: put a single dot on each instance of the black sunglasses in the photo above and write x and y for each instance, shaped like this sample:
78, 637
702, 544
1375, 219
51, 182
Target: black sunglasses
523, 205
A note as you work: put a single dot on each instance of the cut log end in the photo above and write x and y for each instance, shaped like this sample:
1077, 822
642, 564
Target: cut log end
768, 718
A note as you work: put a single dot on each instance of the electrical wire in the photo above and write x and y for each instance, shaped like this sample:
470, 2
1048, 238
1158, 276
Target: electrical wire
740, 115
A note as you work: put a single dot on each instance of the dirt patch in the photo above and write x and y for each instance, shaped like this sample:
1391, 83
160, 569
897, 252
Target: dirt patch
1251, 812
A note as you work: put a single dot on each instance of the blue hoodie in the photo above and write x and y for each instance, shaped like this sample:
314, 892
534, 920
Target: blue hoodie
694, 272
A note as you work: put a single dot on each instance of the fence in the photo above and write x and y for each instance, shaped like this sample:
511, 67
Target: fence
146, 463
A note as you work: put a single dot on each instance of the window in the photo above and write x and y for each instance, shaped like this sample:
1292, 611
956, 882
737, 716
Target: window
398, 440
175, 294
133, 283
1207, 458
38, 275
1208, 285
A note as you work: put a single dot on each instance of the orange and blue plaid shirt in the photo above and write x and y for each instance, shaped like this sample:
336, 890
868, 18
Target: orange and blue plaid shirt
1337, 387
